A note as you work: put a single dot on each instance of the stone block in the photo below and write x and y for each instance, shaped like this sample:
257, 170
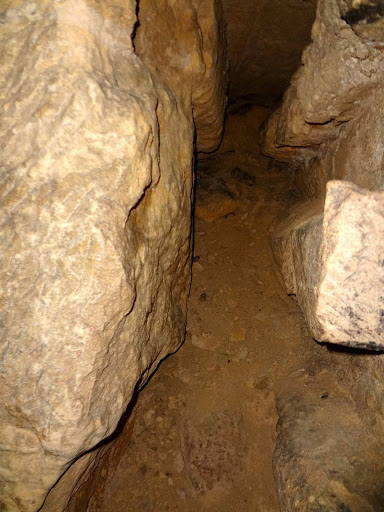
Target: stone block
350, 304
334, 264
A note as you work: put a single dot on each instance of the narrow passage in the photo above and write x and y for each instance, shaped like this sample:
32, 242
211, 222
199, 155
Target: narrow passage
202, 434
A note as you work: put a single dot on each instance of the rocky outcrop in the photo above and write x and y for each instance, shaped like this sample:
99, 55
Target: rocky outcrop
328, 124
329, 453
328, 128
95, 232
265, 43
333, 263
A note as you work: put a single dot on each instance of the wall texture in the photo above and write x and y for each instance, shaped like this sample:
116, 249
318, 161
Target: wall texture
96, 186
329, 128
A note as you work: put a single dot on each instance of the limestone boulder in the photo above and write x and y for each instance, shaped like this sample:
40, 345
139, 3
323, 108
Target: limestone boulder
350, 302
95, 236
333, 263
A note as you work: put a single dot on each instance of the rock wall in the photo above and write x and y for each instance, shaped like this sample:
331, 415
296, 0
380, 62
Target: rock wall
329, 122
184, 44
265, 43
97, 154
329, 128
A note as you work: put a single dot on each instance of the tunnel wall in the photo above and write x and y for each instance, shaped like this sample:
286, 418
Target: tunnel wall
97, 157
329, 129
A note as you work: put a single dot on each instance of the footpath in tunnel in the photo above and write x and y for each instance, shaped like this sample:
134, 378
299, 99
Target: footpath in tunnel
202, 434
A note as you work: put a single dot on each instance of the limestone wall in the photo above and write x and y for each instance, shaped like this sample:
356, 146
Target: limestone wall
329, 123
184, 44
96, 160
329, 128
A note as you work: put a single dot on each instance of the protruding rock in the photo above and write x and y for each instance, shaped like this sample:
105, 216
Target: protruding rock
334, 265
350, 303
95, 236
328, 125
183, 44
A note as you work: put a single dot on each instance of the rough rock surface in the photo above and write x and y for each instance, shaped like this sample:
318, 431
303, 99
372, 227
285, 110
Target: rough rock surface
329, 123
265, 43
296, 245
350, 303
330, 453
333, 263
328, 459
184, 43
328, 128
95, 229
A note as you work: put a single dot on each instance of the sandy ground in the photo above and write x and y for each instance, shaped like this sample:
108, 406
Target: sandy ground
202, 434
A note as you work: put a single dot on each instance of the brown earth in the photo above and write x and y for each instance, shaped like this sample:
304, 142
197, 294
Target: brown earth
202, 433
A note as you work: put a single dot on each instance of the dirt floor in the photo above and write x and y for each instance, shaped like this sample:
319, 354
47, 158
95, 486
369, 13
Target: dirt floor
202, 434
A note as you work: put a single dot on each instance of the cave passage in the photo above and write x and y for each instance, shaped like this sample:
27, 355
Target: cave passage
202, 435
108, 109
203, 431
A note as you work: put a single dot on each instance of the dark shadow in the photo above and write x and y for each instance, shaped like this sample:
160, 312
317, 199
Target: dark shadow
136, 25
368, 349
366, 13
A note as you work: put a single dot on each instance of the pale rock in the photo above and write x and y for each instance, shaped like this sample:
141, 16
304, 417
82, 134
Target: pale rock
350, 304
333, 263
95, 236
329, 124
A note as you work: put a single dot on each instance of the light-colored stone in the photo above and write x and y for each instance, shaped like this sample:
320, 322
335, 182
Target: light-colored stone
333, 263
350, 304
95, 235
